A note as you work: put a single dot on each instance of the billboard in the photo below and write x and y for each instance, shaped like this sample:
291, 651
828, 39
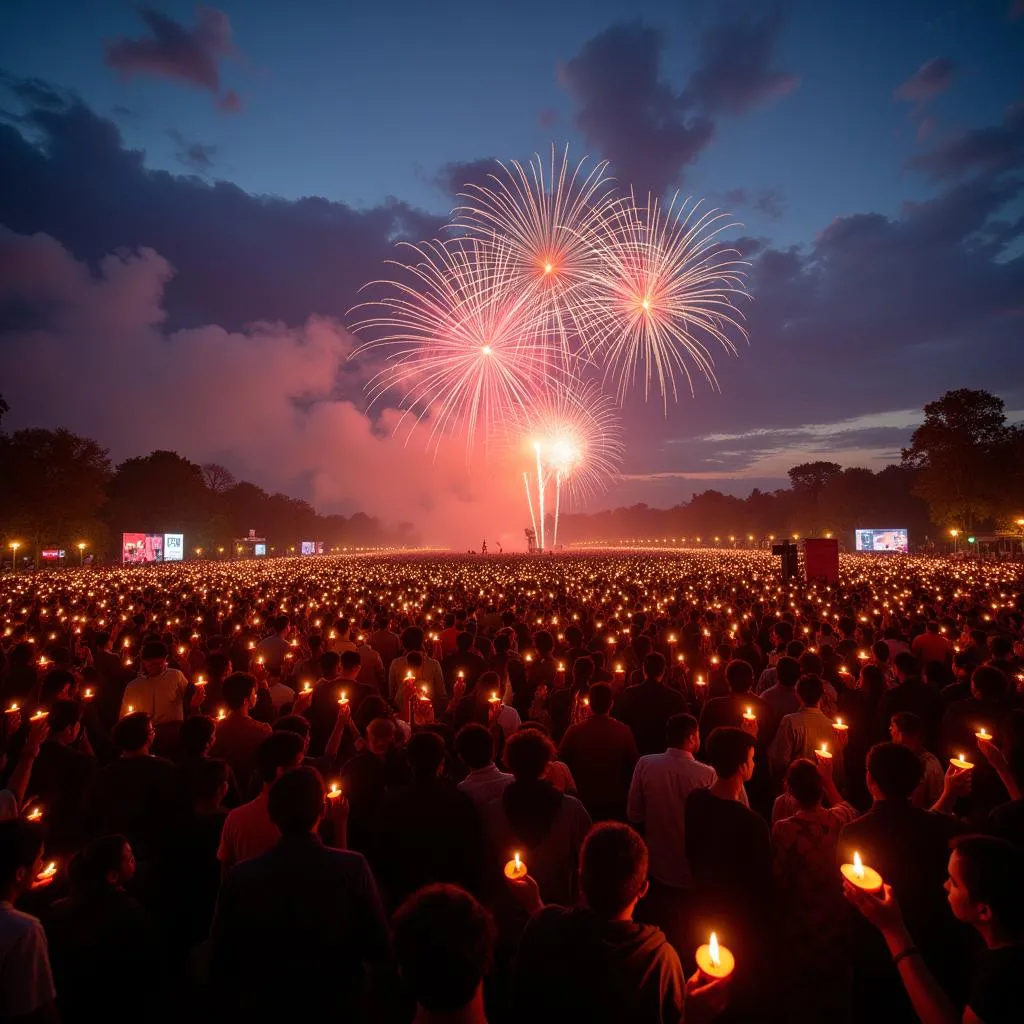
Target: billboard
882, 540
174, 547
312, 547
141, 548
259, 550
52, 554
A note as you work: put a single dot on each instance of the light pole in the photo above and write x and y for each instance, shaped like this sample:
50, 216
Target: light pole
81, 553
954, 534
14, 555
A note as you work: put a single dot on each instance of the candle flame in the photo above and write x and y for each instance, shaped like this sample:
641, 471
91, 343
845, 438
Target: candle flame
858, 865
518, 861
713, 951
839, 721
824, 748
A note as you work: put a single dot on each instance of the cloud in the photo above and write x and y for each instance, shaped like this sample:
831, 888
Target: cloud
453, 177
237, 257
735, 72
629, 111
931, 78
173, 51
767, 201
990, 149
97, 355
195, 155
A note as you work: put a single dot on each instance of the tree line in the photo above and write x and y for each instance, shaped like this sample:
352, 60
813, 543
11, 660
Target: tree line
963, 469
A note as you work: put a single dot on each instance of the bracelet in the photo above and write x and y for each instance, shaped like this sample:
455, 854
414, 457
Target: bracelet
904, 953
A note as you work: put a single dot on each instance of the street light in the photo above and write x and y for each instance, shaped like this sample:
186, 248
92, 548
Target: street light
954, 534
81, 552
14, 554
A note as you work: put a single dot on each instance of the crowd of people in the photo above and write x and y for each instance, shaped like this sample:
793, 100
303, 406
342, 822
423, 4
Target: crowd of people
446, 789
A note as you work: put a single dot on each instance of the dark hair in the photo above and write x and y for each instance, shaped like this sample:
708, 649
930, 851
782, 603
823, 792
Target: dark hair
906, 663
474, 745
582, 671
350, 660
216, 664
207, 777
132, 731
279, 750
909, 724
803, 780
153, 649
292, 723
195, 734
811, 664
680, 728
237, 689
412, 639
528, 753
787, 671
1001, 646
613, 868
739, 675
444, 945
810, 689
21, 842
989, 682
329, 661
728, 749
896, 770
543, 641
600, 695
54, 682
89, 868
463, 641
993, 871
425, 751
654, 666
296, 800
64, 713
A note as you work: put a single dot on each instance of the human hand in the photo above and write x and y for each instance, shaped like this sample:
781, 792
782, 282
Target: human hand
526, 893
880, 910
749, 726
459, 690
957, 781
841, 738
38, 730
824, 765
993, 755
706, 997
303, 699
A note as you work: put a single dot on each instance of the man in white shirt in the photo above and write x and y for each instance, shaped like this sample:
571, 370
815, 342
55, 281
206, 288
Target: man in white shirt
657, 796
27, 990
804, 732
485, 782
159, 690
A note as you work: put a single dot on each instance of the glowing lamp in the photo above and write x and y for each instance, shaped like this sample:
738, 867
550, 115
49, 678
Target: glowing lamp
860, 875
714, 960
515, 868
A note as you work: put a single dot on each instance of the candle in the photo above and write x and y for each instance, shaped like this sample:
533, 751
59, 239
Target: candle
46, 876
863, 655
515, 868
87, 693
39, 715
343, 700
959, 762
715, 961
130, 710
494, 699
307, 688
334, 793
839, 725
860, 875
221, 714
12, 710
823, 752
699, 681
36, 814
982, 734
749, 715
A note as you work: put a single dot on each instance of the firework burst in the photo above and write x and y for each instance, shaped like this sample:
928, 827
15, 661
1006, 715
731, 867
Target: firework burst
464, 349
667, 297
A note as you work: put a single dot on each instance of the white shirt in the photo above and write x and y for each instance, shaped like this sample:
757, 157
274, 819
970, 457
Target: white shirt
27, 982
485, 784
162, 697
281, 695
657, 799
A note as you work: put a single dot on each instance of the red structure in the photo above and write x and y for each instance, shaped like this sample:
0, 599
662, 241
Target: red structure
821, 559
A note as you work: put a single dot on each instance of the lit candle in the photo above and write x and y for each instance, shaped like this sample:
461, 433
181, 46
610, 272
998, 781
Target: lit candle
839, 725
699, 681
515, 868
87, 693
36, 814
863, 655
39, 715
823, 752
749, 715
46, 876
715, 961
343, 700
982, 734
221, 714
959, 762
334, 793
307, 688
494, 699
860, 875
12, 710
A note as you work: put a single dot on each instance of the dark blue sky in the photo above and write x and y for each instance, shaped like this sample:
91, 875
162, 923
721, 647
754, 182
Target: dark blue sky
873, 152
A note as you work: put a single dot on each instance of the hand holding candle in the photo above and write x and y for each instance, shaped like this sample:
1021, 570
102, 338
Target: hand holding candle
714, 960
860, 875
46, 876
515, 869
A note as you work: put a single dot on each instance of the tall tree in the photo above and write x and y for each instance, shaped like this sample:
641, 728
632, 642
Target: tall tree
218, 478
956, 454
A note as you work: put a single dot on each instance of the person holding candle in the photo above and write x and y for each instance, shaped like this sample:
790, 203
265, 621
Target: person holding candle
908, 730
912, 694
28, 991
159, 691
13, 796
593, 961
806, 731
428, 672
239, 736
648, 705
985, 890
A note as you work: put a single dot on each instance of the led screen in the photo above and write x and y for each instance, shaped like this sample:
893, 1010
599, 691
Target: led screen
882, 540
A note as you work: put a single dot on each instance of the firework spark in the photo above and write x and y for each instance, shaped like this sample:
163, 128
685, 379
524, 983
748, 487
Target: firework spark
464, 348
668, 294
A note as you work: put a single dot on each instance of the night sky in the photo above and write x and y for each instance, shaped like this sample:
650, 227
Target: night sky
191, 197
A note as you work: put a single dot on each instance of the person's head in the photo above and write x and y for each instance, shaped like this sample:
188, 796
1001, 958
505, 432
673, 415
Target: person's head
412, 639
739, 676
443, 942
239, 691
296, 800
154, 657
380, 736
893, 771
278, 753
488, 684
654, 666
986, 886
810, 690
932, 627
804, 783
988, 683
463, 642
582, 672
613, 870
600, 696
908, 730
105, 863
682, 733
58, 684
475, 746
1001, 647
21, 855
330, 661
787, 671
425, 751
296, 724
351, 663
881, 653
210, 781
217, 665
782, 633
196, 735
528, 753
905, 665
811, 664
731, 753
65, 721
101, 639
134, 733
